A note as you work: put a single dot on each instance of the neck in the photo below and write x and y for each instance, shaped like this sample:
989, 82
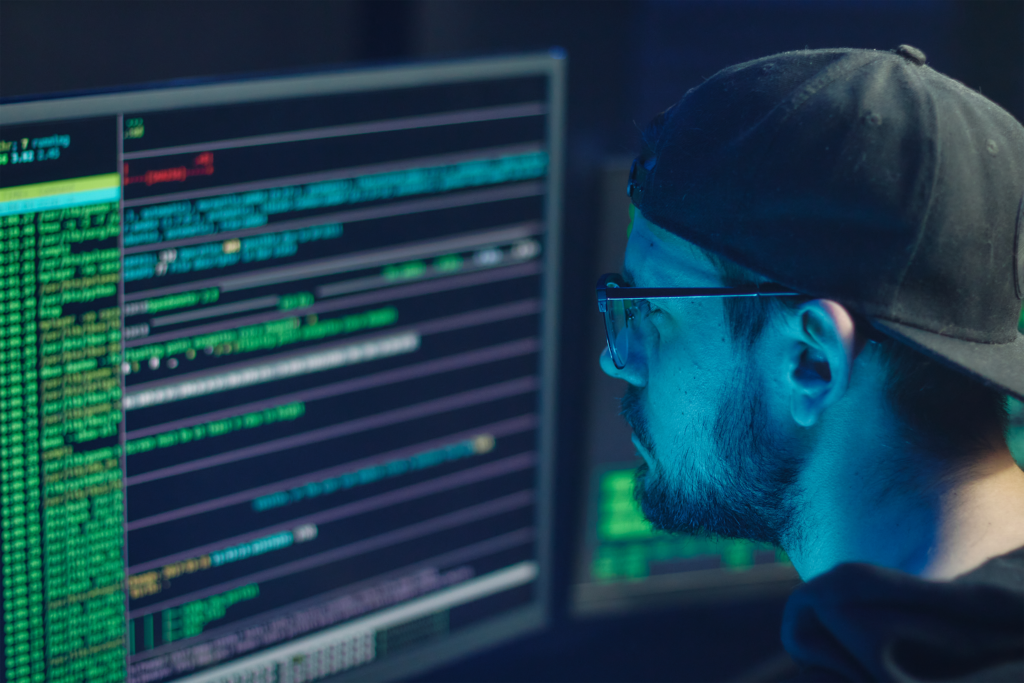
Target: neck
865, 497
982, 516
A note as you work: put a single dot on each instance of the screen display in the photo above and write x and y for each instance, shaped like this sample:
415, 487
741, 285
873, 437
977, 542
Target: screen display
276, 360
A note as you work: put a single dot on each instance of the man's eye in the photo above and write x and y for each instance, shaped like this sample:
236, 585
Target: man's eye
647, 308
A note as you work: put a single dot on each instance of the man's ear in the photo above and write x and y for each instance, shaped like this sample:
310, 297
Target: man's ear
821, 342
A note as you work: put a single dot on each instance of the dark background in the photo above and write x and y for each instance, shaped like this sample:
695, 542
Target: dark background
627, 61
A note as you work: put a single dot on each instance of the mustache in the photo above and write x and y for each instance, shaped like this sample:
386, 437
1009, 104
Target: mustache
631, 409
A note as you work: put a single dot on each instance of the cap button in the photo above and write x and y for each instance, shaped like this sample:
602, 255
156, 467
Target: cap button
912, 53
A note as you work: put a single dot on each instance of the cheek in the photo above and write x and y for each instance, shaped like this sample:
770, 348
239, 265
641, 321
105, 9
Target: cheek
678, 392
689, 370
692, 345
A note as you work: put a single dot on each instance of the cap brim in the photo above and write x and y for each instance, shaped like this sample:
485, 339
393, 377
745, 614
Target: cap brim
1000, 366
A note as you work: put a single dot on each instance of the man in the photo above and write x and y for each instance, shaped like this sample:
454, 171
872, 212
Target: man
829, 251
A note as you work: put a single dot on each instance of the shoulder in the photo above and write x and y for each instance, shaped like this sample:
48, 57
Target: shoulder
861, 622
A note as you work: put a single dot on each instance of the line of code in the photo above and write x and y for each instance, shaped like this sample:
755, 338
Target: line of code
258, 418
484, 443
211, 255
263, 336
201, 165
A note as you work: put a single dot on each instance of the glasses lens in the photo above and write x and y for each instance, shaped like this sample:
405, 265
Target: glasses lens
615, 313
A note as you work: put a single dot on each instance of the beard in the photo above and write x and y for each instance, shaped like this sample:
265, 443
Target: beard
733, 478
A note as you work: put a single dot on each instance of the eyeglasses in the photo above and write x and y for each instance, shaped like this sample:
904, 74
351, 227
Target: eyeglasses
618, 303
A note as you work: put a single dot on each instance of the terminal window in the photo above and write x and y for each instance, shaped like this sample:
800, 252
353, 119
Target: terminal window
271, 389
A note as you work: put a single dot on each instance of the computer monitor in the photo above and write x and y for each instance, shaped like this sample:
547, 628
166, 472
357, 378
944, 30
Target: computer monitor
622, 564
278, 355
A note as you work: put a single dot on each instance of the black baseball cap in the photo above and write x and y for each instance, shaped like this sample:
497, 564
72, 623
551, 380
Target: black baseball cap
861, 176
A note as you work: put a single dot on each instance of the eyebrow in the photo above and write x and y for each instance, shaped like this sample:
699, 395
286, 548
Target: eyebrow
627, 277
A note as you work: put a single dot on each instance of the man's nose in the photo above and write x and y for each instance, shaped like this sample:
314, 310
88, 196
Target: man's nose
635, 371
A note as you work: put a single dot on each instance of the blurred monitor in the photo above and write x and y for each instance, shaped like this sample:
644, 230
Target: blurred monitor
622, 564
277, 372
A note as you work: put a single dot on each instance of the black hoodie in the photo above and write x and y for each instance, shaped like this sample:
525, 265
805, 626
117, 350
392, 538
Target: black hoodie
859, 622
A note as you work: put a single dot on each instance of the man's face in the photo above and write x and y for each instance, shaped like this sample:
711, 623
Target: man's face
714, 464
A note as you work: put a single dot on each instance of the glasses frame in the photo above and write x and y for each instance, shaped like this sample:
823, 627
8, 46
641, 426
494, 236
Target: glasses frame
611, 287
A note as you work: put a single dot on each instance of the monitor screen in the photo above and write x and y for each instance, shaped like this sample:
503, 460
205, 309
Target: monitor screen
622, 564
277, 383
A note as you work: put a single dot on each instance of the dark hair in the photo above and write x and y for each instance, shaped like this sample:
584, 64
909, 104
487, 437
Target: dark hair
943, 411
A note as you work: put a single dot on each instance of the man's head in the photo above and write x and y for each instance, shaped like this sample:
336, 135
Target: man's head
714, 461
727, 397
838, 174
